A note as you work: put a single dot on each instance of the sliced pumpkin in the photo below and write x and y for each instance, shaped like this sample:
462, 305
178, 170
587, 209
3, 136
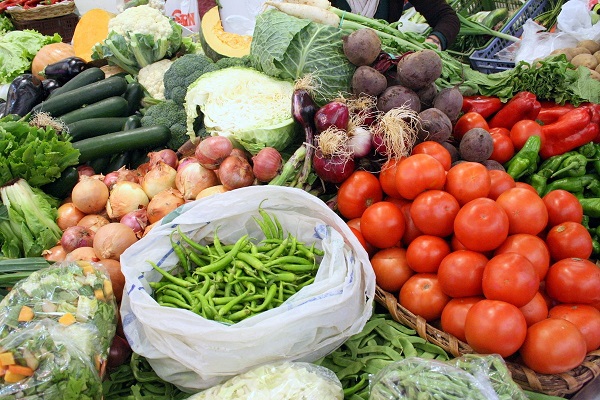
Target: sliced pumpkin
26, 314
7, 359
67, 319
217, 43
91, 28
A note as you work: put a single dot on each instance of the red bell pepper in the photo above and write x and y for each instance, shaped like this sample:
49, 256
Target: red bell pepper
523, 105
570, 131
486, 106
551, 113
595, 109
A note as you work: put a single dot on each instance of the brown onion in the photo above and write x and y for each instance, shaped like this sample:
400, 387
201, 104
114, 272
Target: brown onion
142, 169
193, 178
93, 221
76, 236
210, 191
234, 172
56, 253
85, 170
111, 240
124, 197
68, 215
266, 164
243, 154
136, 220
149, 228
82, 254
113, 268
167, 156
90, 195
160, 177
212, 150
163, 203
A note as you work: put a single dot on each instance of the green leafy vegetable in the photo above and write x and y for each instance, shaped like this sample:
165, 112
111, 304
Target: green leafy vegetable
38, 155
5, 23
290, 48
27, 221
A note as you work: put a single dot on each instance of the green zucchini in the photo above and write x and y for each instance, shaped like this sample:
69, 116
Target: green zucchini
117, 161
63, 185
99, 164
77, 98
133, 121
117, 142
495, 17
115, 106
85, 77
134, 95
93, 127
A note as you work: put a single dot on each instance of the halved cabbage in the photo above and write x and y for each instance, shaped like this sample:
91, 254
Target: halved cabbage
249, 107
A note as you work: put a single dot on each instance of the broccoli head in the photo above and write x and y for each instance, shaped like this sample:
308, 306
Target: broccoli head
172, 115
183, 72
226, 62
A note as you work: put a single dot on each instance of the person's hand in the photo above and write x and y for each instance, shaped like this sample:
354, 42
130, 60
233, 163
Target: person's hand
435, 40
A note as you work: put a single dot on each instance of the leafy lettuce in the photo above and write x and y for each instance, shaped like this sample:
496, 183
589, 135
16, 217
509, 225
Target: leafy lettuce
289, 48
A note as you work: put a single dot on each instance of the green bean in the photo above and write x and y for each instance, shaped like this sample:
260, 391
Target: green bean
169, 277
268, 226
277, 251
283, 277
180, 253
239, 315
250, 260
298, 267
184, 292
289, 260
198, 260
217, 244
172, 293
227, 307
175, 301
293, 245
194, 245
226, 259
267, 300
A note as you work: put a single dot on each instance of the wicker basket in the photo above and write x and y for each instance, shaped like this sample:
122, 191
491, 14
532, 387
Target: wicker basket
63, 25
41, 11
561, 385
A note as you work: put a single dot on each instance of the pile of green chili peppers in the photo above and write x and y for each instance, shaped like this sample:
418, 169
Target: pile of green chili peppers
231, 282
576, 171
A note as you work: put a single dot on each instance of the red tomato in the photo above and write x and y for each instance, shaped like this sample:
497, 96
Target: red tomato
500, 130
562, 206
536, 310
501, 181
467, 122
522, 130
504, 149
585, 317
436, 150
573, 280
354, 223
494, 326
391, 269
387, 177
382, 224
433, 212
357, 193
569, 239
481, 225
454, 316
418, 173
526, 211
553, 346
411, 231
527, 186
455, 244
510, 277
467, 181
426, 252
461, 272
421, 295
530, 246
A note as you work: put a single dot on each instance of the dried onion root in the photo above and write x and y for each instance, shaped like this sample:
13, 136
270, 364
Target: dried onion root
395, 132
45, 120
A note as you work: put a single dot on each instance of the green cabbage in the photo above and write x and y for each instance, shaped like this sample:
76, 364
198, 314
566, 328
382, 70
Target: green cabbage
248, 106
290, 48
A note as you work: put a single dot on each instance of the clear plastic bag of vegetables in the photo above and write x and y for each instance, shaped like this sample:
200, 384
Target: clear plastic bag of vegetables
195, 352
471, 377
77, 295
281, 381
43, 362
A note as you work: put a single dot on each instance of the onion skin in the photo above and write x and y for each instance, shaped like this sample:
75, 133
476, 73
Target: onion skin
136, 220
361, 142
266, 164
163, 203
93, 221
210, 191
334, 169
160, 177
167, 156
235, 173
111, 240
76, 236
117, 279
90, 195
68, 215
192, 178
334, 113
85, 170
124, 197
212, 150
56, 254
82, 254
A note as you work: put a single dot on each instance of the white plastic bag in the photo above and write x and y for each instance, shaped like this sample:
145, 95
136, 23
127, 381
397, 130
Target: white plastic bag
406, 25
196, 353
575, 19
535, 43
184, 12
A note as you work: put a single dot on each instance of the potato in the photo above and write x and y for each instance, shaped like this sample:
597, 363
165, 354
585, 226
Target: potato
595, 75
597, 55
597, 69
449, 101
566, 51
585, 60
435, 125
362, 46
398, 96
476, 145
427, 94
591, 45
419, 69
369, 81
580, 50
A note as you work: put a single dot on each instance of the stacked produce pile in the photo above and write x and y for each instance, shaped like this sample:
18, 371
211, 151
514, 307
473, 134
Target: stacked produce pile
474, 196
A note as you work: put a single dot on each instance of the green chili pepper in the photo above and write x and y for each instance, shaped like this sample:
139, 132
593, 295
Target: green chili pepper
525, 162
224, 261
574, 184
169, 277
588, 150
573, 165
591, 206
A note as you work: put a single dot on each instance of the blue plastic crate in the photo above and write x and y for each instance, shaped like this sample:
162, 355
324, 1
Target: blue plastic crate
486, 60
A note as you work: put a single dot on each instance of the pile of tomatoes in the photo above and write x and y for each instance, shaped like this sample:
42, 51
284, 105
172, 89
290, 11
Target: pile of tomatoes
482, 256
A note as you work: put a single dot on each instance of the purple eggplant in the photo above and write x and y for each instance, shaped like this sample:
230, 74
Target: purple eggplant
24, 92
64, 70
49, 85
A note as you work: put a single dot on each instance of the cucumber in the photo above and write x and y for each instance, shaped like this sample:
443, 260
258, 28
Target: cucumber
93, 127
132, 122
77, 98
115, 106
62, 186
117, 142
83, 78
134, 95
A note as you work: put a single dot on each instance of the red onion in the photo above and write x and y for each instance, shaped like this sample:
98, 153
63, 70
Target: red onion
167, 156
185, 161
266, 164
193, 178
379, 144
118, 354
136, 220
334, 169
85, 170
234, 172
334, 113
76, 236
360, 142
211, 151
122, 174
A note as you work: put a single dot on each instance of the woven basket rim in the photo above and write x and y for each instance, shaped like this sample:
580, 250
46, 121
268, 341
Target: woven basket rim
560, 385
41, 11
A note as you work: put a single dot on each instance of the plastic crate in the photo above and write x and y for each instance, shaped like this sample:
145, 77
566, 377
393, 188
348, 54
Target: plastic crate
486, 60
63, 25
